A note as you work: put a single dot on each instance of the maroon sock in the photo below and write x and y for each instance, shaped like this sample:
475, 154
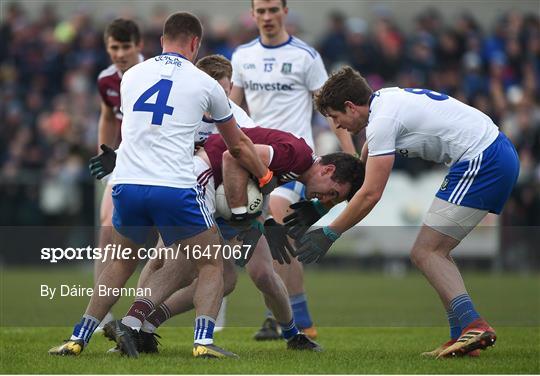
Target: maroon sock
139, 310
159, 315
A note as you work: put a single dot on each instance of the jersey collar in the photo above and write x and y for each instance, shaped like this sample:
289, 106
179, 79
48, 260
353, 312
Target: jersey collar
276, 46
174, 54
375, 94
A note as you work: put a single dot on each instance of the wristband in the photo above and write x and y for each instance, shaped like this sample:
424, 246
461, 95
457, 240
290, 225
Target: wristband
266, 178
239, 210
319, 207
330, 234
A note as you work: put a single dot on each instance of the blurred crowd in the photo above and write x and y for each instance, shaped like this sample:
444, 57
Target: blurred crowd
49, 102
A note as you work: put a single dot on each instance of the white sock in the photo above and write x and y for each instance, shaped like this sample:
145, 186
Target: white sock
132, 322
147, 327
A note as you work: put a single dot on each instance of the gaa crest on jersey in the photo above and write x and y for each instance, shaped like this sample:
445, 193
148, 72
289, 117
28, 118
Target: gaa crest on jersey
444, 184
286, 68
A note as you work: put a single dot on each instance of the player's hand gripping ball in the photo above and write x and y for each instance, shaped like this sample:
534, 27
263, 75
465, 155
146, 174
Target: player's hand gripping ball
255, 201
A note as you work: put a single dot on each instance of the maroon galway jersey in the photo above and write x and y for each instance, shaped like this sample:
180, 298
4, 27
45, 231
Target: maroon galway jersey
109, 89
292, 155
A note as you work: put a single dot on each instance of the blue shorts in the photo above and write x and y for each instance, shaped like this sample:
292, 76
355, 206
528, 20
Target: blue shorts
486, 181
178, 213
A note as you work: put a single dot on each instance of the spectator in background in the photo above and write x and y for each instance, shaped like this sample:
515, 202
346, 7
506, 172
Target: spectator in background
48, 101
333, 46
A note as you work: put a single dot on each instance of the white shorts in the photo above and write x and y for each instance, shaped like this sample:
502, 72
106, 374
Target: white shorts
453, 220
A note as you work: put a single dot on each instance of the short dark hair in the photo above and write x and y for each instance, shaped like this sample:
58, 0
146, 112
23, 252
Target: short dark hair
283, 2
216, 66
182, 25
344, 85
349, 169
123, 30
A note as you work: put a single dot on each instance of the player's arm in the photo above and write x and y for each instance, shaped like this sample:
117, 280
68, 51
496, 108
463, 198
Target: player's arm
243, 149
378, 170
107, 127
364, 153
314, 245
235, 177
344, 137
237, 95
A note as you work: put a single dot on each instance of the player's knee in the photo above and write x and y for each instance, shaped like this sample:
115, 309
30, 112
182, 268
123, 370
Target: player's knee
413, 256
264, 279
230, 277
229, 283
418, 256
154, 264
210, 263
279, 207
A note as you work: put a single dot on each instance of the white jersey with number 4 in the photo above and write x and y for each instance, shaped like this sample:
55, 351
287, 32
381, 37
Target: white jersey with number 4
426, 124
163, 101
278, 82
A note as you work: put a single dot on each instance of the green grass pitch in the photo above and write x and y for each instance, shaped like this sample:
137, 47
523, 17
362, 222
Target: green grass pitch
368, 323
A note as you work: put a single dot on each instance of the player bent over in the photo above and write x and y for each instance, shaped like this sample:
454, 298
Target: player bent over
155, 185
331, 178
484, 167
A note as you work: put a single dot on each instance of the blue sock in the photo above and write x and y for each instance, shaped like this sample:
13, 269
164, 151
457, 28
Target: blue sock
289, 330
204, 330
269, 313
300, 311
455, 327
85, 328
464, 310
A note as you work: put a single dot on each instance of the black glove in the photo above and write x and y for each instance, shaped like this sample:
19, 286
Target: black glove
249, 238
276, 235
306, 213
314, 245
103, 164
243, 221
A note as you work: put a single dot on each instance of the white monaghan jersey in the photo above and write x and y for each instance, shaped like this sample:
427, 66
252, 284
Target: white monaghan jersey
163, 102
207, 126
278, 82
426, 124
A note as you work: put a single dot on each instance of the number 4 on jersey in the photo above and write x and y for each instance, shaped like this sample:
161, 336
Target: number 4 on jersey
160, 108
